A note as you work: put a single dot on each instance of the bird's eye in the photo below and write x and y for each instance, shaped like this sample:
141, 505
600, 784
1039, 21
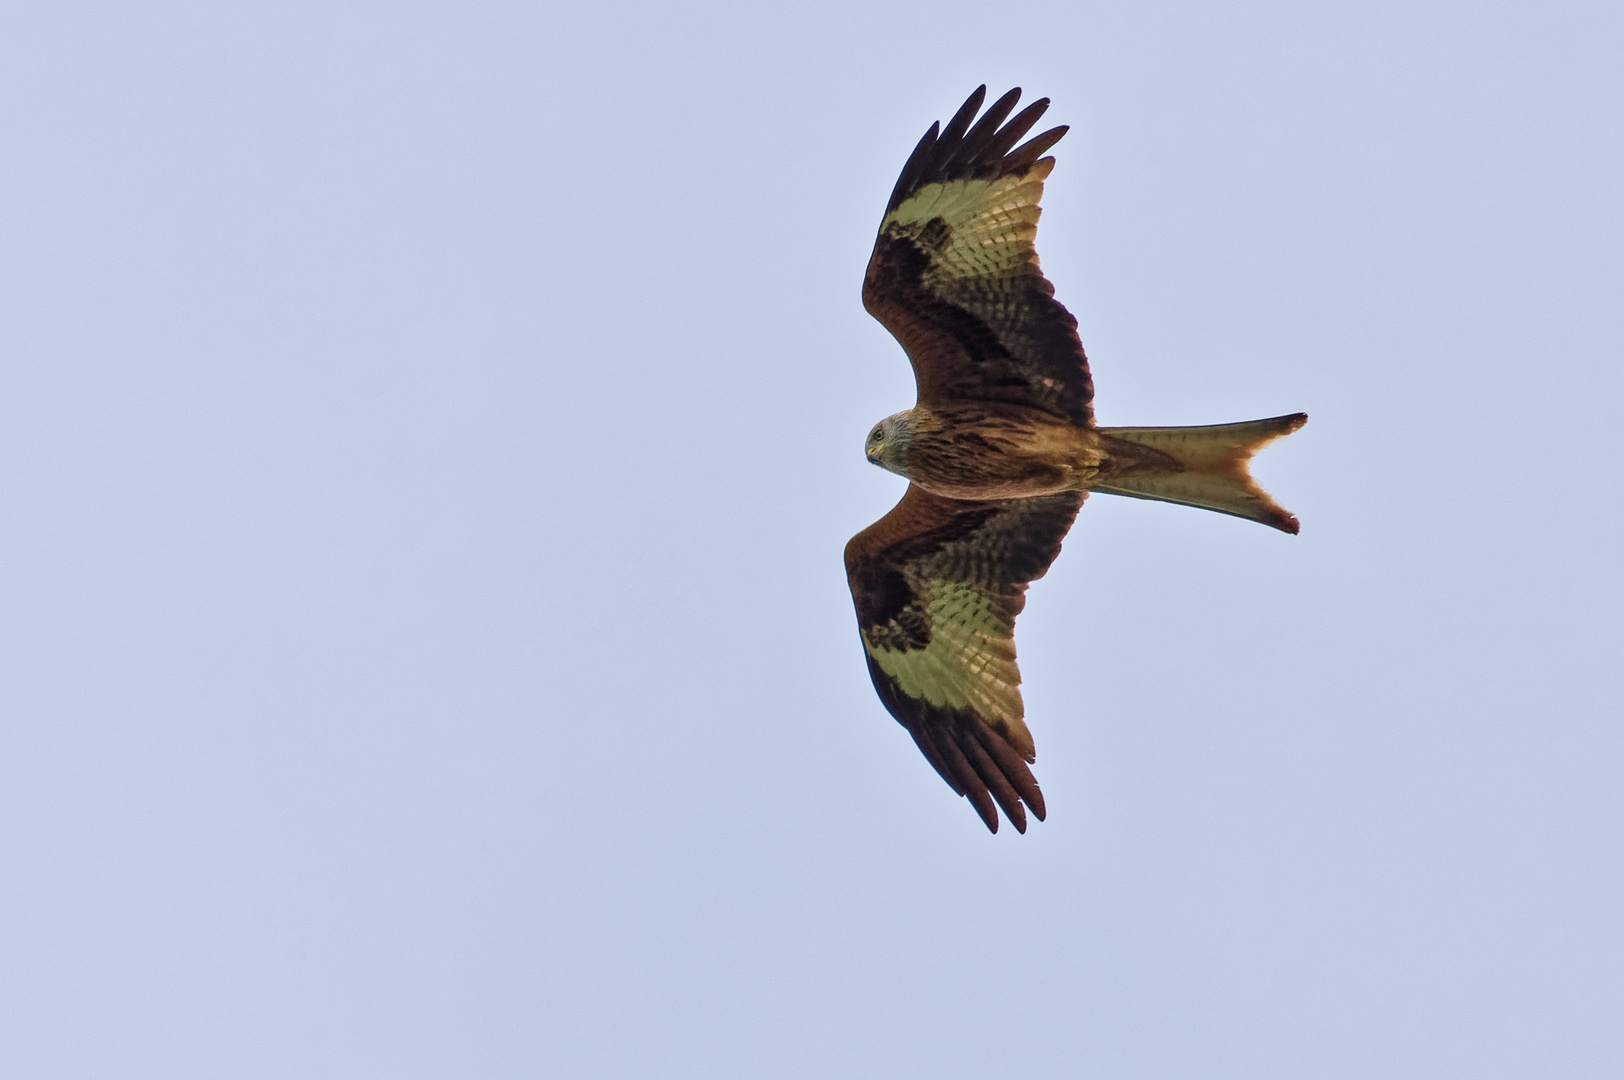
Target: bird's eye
876, 436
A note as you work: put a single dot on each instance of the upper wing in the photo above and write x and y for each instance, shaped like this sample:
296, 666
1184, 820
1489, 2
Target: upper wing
938, 583
954, 276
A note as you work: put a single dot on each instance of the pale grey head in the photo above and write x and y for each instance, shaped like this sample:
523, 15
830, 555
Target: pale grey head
888, 443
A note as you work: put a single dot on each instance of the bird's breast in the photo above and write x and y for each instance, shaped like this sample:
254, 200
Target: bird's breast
988, 454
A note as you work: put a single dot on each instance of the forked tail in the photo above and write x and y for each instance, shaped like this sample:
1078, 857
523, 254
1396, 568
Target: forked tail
1197, 466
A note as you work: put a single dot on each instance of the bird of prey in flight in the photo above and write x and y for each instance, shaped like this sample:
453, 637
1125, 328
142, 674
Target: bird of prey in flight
1000, 451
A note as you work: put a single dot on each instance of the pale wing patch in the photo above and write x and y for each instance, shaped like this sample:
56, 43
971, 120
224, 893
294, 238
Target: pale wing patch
970, 661
992, 222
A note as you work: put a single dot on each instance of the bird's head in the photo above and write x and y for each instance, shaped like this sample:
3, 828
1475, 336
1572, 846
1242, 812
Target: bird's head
888, 443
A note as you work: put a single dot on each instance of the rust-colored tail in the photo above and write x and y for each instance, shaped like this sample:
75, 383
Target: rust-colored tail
1198, 466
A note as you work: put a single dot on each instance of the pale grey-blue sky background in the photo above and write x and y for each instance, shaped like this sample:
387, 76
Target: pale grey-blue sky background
427, 438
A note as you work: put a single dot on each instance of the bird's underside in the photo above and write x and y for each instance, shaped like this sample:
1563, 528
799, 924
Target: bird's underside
1000, 451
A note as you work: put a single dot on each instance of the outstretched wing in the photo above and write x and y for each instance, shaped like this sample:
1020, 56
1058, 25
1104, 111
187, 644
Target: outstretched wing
938, 583
955, 278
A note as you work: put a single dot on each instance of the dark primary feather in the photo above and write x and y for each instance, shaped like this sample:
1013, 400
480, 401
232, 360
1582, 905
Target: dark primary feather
996, 548
960, 123
951, 154
992, 337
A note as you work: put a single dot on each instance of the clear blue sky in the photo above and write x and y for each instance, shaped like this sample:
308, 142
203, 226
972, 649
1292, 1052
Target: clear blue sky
427, 438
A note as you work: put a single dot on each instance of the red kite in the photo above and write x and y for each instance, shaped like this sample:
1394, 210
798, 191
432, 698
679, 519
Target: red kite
1000, 451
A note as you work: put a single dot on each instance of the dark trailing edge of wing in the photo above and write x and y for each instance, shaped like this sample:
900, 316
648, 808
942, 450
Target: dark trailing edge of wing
960, 152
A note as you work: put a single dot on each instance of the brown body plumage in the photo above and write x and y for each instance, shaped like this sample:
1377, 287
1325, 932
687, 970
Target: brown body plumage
1001, 450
